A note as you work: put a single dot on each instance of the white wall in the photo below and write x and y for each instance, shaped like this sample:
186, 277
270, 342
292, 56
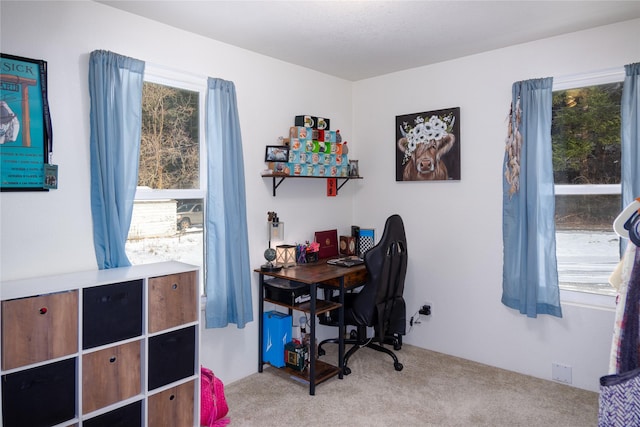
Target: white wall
454, 227
51, 232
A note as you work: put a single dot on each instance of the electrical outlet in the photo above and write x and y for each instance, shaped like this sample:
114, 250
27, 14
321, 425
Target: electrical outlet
425, 310
561, 373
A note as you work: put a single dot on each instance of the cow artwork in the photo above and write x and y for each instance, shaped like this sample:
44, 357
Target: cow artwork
427, 147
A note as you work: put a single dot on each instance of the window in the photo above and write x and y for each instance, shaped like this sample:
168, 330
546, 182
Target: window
586, 163
168, 220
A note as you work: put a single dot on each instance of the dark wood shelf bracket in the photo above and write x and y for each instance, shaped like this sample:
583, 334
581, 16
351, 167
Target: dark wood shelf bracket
278, 179
341, 185
275, 186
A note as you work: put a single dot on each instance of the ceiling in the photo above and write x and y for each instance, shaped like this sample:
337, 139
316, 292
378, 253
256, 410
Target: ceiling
356, 40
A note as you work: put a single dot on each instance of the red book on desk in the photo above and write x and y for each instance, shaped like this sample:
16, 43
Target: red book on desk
328, 241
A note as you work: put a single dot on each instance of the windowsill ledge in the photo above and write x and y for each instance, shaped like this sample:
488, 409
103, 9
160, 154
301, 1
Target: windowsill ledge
585, 299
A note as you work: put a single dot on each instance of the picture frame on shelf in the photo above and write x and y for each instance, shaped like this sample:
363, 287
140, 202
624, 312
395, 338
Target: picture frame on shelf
353, 168
276, 153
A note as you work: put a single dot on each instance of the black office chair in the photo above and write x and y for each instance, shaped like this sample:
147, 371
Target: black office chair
379, 304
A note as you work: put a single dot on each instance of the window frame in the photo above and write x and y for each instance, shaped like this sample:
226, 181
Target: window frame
610, 75
179, 79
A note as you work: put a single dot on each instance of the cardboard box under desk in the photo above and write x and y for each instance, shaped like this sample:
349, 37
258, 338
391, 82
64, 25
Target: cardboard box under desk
286, 291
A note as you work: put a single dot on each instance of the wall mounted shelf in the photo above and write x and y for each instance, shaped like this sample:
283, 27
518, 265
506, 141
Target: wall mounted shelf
277, 179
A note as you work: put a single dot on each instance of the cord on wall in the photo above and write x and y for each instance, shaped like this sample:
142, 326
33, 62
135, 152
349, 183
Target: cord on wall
425, 310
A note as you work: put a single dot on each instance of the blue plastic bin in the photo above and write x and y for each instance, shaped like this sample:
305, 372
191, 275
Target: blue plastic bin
277, 333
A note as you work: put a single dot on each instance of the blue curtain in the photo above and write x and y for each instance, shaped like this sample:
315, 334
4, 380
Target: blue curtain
115, 90
530, 273
227, 271
630, 134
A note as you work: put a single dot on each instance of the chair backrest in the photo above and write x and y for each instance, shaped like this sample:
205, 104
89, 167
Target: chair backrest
380, 302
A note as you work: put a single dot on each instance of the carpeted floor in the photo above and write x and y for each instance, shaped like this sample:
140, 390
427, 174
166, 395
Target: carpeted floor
433, 389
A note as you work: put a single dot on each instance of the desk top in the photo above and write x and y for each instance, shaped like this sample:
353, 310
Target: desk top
319, 272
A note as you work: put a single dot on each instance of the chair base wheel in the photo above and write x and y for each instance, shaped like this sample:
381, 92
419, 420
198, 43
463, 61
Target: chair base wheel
398, 366
346, 370
321, 352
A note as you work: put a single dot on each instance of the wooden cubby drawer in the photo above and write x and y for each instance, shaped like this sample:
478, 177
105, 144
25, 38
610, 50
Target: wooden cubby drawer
172, 300
110, 375
39, 328
40, 396
111, 313
173, 407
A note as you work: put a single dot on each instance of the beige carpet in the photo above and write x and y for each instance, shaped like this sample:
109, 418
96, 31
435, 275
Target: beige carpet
432, 390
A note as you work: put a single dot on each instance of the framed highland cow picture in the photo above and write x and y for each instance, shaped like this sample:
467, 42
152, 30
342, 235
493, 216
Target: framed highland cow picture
428, 146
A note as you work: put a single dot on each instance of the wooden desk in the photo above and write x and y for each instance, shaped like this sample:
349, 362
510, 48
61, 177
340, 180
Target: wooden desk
319, 274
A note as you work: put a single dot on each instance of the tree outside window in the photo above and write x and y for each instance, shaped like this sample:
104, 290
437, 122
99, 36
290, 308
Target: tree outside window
586, 162
170, 148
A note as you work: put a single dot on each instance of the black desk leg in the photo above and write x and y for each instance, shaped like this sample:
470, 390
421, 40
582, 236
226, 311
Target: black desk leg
312, 344
341, 330
260, 320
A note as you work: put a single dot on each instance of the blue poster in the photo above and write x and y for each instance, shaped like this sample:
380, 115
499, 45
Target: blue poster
25, 132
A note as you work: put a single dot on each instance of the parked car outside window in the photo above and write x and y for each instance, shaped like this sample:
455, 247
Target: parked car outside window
189, 214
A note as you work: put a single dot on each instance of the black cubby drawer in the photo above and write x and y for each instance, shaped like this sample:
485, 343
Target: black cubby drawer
111, 313
40, 396
126, 416
171, 356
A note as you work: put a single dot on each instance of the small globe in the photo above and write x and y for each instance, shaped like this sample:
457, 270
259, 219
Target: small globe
270, 254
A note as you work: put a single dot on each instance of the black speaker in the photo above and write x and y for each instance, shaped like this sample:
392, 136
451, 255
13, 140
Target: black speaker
355, 232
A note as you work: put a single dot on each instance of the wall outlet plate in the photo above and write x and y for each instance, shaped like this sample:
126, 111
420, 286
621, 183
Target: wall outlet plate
561, 373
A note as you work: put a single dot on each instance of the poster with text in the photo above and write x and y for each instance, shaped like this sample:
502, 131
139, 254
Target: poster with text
25, 126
